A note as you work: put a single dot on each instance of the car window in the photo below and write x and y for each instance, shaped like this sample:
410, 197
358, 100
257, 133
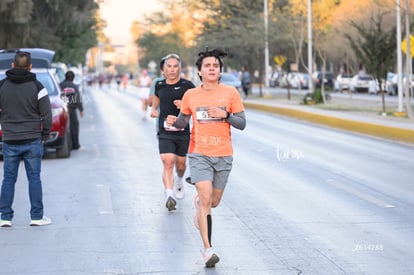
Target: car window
60, 74
365, 77
46, 79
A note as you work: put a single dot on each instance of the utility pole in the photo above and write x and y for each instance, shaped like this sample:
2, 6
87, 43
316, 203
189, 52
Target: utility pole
409, 69
310, 59
399, 59
266, 51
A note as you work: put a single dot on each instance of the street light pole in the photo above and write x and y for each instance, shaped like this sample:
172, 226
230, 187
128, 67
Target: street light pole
399, 59
310, 59
266, 51
409, 69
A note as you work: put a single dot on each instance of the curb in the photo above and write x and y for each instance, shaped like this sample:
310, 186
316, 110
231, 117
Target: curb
387, 132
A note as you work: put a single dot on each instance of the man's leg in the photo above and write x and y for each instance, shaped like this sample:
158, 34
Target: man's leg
168, 160
205, 193
32, 162
182, 143
205, 221
11, 161
74, 128
180, 165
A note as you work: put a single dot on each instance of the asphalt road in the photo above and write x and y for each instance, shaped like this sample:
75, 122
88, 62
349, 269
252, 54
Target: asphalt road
302, 199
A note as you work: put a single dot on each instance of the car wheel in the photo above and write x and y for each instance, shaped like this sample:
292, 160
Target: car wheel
64, 152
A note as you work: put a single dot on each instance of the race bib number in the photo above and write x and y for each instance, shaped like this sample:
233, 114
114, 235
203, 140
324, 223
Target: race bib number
203, 117
171, 128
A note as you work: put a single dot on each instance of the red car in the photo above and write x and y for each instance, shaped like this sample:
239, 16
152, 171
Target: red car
59, 139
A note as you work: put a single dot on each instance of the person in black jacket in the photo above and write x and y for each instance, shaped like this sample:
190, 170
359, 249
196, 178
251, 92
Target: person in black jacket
26, 120
74, 101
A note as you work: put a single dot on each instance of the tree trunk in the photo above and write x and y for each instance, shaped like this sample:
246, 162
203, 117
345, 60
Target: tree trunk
382, 99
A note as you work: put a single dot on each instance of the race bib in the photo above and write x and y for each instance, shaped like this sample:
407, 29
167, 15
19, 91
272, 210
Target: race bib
171, 128
203, 117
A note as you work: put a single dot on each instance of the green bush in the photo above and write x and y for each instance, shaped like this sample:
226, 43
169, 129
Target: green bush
315, 97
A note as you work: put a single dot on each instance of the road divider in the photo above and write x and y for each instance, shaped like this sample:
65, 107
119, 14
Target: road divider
362, 127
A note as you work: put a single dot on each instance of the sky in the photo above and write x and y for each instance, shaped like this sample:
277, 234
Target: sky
119, 15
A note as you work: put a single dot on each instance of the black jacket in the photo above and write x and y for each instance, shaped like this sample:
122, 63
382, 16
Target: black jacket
71, 94
25, 111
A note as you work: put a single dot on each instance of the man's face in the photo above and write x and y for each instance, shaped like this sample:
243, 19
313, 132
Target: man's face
172, 69
210, 69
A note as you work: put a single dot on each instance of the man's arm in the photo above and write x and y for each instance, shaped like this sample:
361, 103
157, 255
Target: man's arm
154, 106
78, 99
237, 120
179, 122
45, 111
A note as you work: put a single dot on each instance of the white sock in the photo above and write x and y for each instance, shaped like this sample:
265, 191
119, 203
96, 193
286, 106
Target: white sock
178, 179
169, 193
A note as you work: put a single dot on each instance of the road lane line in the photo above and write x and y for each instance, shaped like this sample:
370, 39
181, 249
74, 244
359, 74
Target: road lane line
104, 200
360, 194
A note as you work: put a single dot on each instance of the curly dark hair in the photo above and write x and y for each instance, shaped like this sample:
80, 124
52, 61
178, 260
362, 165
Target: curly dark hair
217, 53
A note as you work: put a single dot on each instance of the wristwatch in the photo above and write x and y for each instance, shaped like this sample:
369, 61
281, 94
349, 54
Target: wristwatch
228, 115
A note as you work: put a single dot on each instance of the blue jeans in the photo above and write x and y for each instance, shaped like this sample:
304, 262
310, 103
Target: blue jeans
32, 154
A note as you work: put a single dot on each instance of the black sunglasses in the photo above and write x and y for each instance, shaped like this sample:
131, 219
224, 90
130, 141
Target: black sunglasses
23, 53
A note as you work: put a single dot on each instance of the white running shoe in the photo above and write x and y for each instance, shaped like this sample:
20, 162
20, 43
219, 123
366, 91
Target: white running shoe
4, 223
210, 257
178, 189
44, 221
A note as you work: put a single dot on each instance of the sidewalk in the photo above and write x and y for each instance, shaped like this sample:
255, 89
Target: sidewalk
364, 122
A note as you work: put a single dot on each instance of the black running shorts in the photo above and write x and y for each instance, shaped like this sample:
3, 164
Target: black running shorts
176, 144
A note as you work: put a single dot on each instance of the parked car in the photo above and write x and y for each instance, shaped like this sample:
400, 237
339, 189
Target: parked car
274, 79
342, 82
298, 80
328, 79
361, 83
392, 83
60, 70
59, 139
231, 80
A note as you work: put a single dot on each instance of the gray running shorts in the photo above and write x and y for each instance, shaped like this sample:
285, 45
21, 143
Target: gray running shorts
214, 169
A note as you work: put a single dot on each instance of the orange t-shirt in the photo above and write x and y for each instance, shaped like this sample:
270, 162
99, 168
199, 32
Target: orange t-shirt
210, 136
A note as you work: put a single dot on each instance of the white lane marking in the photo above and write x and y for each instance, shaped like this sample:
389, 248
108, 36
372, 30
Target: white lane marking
360, 194
104, 200
114, 271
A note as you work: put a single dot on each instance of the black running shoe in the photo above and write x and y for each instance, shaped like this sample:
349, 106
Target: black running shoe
170, 204
188, 180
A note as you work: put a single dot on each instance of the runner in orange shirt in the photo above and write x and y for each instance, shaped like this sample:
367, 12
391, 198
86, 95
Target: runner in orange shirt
213, 107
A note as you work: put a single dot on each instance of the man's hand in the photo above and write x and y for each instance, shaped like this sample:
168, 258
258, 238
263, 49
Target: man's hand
216, 112
154, 113
170, 120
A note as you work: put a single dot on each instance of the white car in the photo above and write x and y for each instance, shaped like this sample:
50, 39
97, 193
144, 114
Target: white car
342, 82
392, 84
298, 80
363, 83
